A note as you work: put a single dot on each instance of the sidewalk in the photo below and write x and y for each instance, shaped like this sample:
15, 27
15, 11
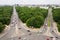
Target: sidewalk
5, 31
31, 29
55, 28
48, 32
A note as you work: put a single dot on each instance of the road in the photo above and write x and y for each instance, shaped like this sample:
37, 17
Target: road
30, 37
19, 32
43, 29
54, 33
12, 25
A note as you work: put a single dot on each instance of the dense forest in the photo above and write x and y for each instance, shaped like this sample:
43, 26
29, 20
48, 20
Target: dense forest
32, 16
5, 15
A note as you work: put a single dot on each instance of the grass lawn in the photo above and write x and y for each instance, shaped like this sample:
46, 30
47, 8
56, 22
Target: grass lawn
49, 22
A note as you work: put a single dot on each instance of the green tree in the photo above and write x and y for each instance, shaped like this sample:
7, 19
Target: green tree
56, 17
2, 27
5, 15
35, 22
58, 26
30, 13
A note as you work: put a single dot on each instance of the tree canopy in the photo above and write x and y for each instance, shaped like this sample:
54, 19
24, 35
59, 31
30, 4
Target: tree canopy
5, 15
56, 17
30, 14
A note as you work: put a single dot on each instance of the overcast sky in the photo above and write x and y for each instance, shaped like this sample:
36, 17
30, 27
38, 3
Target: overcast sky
11, 2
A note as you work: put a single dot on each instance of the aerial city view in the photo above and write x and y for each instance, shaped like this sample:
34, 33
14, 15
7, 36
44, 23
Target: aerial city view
29, 19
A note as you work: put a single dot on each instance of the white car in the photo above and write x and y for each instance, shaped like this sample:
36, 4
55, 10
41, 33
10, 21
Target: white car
46, 24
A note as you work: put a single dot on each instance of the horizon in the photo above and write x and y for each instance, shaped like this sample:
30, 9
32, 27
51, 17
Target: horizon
30, 2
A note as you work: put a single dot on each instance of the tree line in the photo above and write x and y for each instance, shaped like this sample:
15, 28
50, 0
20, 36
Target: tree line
32, 16
5, 15
56, 17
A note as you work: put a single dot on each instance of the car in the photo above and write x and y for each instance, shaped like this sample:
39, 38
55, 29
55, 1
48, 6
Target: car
19, 28
46, 24
56, 37
52, 31
19, 37
28, 30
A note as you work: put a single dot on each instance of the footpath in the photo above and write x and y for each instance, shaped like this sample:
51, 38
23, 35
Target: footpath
5, 31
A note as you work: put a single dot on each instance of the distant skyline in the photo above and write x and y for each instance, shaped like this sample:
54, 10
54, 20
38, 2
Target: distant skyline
12, 2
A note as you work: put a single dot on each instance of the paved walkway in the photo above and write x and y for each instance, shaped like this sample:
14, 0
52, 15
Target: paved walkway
5, 31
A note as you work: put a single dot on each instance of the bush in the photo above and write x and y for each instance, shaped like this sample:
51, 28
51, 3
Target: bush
56, 15
2, 27
58, 26
35, 22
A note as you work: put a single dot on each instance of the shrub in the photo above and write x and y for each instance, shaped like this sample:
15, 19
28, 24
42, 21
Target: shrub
35, 22
2, 27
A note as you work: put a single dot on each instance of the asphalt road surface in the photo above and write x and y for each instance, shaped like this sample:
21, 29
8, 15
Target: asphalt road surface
16, 27
19, 32
56, 36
